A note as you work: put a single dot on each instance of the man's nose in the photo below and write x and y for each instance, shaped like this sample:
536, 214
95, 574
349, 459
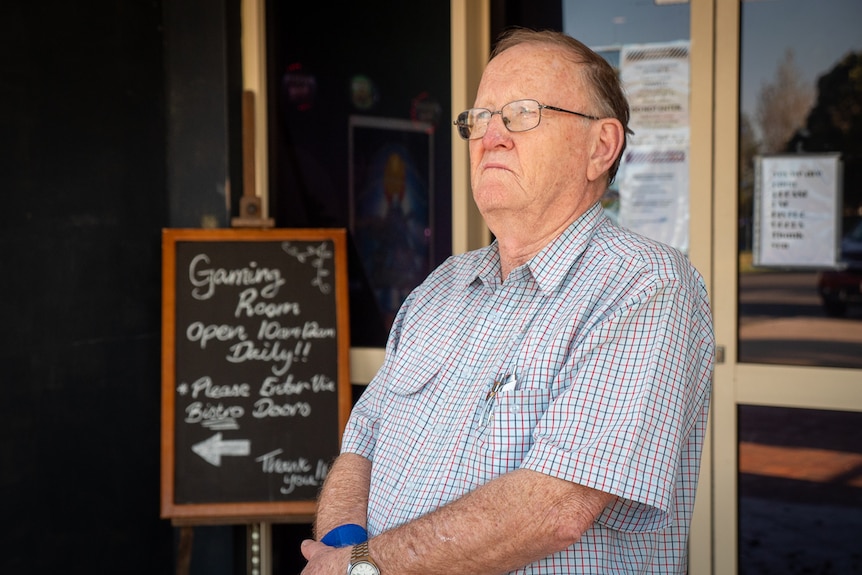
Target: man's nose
496, 128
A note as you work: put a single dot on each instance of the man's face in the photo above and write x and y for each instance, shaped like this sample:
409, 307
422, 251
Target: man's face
532, 181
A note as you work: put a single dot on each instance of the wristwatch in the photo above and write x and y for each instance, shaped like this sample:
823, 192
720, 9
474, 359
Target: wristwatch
361, 562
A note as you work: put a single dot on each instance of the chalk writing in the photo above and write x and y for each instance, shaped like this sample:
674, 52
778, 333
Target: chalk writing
198, 411
319, 383
257, 342
296, 472
268, 352
266, 407
205, 280
248, 306
198, 332
317, 256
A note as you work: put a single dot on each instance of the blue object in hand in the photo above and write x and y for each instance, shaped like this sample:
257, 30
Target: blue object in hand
344, 535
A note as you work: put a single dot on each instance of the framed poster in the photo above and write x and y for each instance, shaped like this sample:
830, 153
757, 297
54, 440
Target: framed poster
391, 205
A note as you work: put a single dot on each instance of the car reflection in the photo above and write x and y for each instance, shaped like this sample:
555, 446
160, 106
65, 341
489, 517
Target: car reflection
842, 287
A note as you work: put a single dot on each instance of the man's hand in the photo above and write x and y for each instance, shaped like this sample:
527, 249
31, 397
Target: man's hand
324, 560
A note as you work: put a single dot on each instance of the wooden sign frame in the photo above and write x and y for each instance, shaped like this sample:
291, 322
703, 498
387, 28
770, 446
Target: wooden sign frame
249, 509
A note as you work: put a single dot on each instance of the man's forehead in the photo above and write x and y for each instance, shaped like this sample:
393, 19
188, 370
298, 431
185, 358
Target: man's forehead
536, 71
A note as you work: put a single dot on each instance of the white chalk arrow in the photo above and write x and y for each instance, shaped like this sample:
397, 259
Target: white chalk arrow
213, 448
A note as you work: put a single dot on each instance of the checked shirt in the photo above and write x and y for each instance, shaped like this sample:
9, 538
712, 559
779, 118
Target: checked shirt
605, 340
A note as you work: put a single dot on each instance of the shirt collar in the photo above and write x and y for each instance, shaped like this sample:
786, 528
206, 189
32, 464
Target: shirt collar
550, 266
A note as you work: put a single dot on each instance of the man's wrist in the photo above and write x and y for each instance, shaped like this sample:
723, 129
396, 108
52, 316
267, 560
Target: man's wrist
361, 562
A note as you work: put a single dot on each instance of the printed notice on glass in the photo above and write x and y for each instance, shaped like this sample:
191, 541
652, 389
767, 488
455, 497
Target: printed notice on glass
657, 83
654, 194
796, 210
653, 177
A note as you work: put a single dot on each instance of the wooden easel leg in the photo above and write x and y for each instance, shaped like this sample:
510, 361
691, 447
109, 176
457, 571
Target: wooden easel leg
184, 550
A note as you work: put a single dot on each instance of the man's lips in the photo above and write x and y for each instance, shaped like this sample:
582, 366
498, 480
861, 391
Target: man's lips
495, 166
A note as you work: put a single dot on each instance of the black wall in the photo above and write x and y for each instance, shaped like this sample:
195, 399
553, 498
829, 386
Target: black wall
82, 122
539, 14
118, 118
85, 128
402, 51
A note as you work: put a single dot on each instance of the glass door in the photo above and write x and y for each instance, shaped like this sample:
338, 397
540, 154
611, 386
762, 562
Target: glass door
774, 198
665, 53
772, 133
787, 409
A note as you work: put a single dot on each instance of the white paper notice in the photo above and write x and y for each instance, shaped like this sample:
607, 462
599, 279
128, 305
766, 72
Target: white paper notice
656, 79
796, 210
654, 194
653, 177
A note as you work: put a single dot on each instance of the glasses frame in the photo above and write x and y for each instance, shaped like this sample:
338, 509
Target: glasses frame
461, 124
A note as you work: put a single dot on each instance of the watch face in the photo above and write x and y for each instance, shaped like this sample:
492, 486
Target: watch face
363, 568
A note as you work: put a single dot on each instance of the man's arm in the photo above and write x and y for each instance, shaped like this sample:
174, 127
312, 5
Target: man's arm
516, 519
344, 497
512, 521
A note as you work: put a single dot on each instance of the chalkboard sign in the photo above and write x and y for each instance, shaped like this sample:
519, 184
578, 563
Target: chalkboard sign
255, 375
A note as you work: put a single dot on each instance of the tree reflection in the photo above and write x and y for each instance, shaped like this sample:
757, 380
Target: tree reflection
834, 124
782, 105
789, 119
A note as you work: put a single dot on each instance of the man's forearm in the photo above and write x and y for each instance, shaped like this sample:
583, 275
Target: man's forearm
344, 497
512, 521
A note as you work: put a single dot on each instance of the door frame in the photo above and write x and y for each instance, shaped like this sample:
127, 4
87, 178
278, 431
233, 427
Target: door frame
738, 383
713, 159
702, 33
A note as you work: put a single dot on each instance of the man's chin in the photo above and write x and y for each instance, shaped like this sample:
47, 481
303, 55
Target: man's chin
494, 195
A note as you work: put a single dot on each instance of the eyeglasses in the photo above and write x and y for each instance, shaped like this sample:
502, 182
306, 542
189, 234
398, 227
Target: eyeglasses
518, 116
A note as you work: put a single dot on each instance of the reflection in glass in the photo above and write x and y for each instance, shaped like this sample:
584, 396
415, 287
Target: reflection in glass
389, 66
801, 94
649, 46
800, 491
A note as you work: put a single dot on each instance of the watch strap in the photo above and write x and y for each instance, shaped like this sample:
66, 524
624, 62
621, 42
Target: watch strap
360, 554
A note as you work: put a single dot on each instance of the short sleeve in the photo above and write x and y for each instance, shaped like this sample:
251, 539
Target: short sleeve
631, 392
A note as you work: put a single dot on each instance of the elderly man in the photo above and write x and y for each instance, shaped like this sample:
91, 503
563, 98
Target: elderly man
543, 401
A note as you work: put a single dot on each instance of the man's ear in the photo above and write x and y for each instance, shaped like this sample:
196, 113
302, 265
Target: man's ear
607, 141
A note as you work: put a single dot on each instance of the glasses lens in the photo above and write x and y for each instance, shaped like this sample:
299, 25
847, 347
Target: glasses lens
521, 115
473, 123
464, 124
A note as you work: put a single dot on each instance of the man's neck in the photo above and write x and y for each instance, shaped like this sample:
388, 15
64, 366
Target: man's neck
516, 250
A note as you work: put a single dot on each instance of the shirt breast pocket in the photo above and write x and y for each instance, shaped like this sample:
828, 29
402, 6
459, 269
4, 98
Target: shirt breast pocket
511, 418
412, 371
